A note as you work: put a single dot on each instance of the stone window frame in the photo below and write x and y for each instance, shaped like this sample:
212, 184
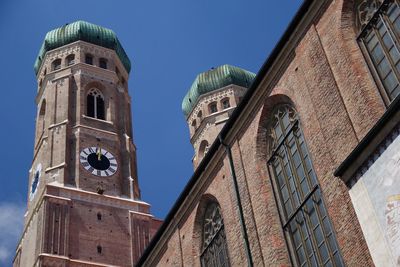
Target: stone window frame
375, 21
98, 98
213, 107
305, 221
70, 60
56, 64
223, 103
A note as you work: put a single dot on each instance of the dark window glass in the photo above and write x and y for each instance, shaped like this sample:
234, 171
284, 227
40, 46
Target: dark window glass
89, 59
213, 108
381, 38
70, 60
90, 105
305, 217
100, 108
225, 104
215, 251
103, 63
56, 65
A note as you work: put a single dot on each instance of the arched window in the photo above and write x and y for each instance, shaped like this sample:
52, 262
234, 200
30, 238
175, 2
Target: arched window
214, 248
56, 64
89, 59
379, 26
70, 60
305, 220
194, 123
212, 108
103, 63
203, 149
95, 104
40, 125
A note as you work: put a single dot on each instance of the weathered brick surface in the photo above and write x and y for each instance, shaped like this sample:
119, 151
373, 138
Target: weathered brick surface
326, 79
70, 222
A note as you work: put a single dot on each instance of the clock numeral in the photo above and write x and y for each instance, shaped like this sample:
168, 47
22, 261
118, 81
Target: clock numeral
98, 173
84, 152
107, 174
111, 158
85, 164
83, 158
113, 164
111, 170
91, 169
105, 153
91, 150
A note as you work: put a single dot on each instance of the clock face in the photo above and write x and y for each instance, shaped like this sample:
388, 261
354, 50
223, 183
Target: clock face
35, 180
98, 161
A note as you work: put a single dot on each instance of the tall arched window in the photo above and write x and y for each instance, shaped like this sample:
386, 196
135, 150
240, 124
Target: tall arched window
214, 248
95, 104
203, 148
305, 220
379, 26
40, 120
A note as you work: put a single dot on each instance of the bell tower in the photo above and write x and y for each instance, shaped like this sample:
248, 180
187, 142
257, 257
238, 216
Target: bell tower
210, 102
84, 204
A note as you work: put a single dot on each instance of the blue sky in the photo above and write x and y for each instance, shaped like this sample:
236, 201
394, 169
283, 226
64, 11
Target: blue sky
168, 42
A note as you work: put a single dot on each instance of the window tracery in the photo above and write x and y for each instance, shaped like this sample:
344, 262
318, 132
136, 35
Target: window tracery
305, 219
214, 248
379, 24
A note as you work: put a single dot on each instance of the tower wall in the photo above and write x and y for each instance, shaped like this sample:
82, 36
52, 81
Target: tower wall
84, 208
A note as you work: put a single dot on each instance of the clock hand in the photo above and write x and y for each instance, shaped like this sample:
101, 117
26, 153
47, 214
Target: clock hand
98, 153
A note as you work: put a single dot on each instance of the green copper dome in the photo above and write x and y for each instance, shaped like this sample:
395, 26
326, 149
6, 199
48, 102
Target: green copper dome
215, 79
85, 31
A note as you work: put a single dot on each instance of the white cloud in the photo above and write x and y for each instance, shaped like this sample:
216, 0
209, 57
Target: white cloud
11, 223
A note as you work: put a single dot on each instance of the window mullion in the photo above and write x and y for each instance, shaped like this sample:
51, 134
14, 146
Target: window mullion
275, 151
316, 207
311, 236
286, 177
95, 106
302, 157
387, 24
295, 175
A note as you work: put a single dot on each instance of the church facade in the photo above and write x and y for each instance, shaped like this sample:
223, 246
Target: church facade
84, 206
298, 165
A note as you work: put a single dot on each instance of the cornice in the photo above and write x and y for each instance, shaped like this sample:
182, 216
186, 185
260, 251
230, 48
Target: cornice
216, 95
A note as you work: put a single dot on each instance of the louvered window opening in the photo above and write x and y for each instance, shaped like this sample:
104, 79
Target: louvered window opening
214, 247
380, 36
305, 221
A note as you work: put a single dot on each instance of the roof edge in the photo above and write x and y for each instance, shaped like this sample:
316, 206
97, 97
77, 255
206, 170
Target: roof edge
304, 8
